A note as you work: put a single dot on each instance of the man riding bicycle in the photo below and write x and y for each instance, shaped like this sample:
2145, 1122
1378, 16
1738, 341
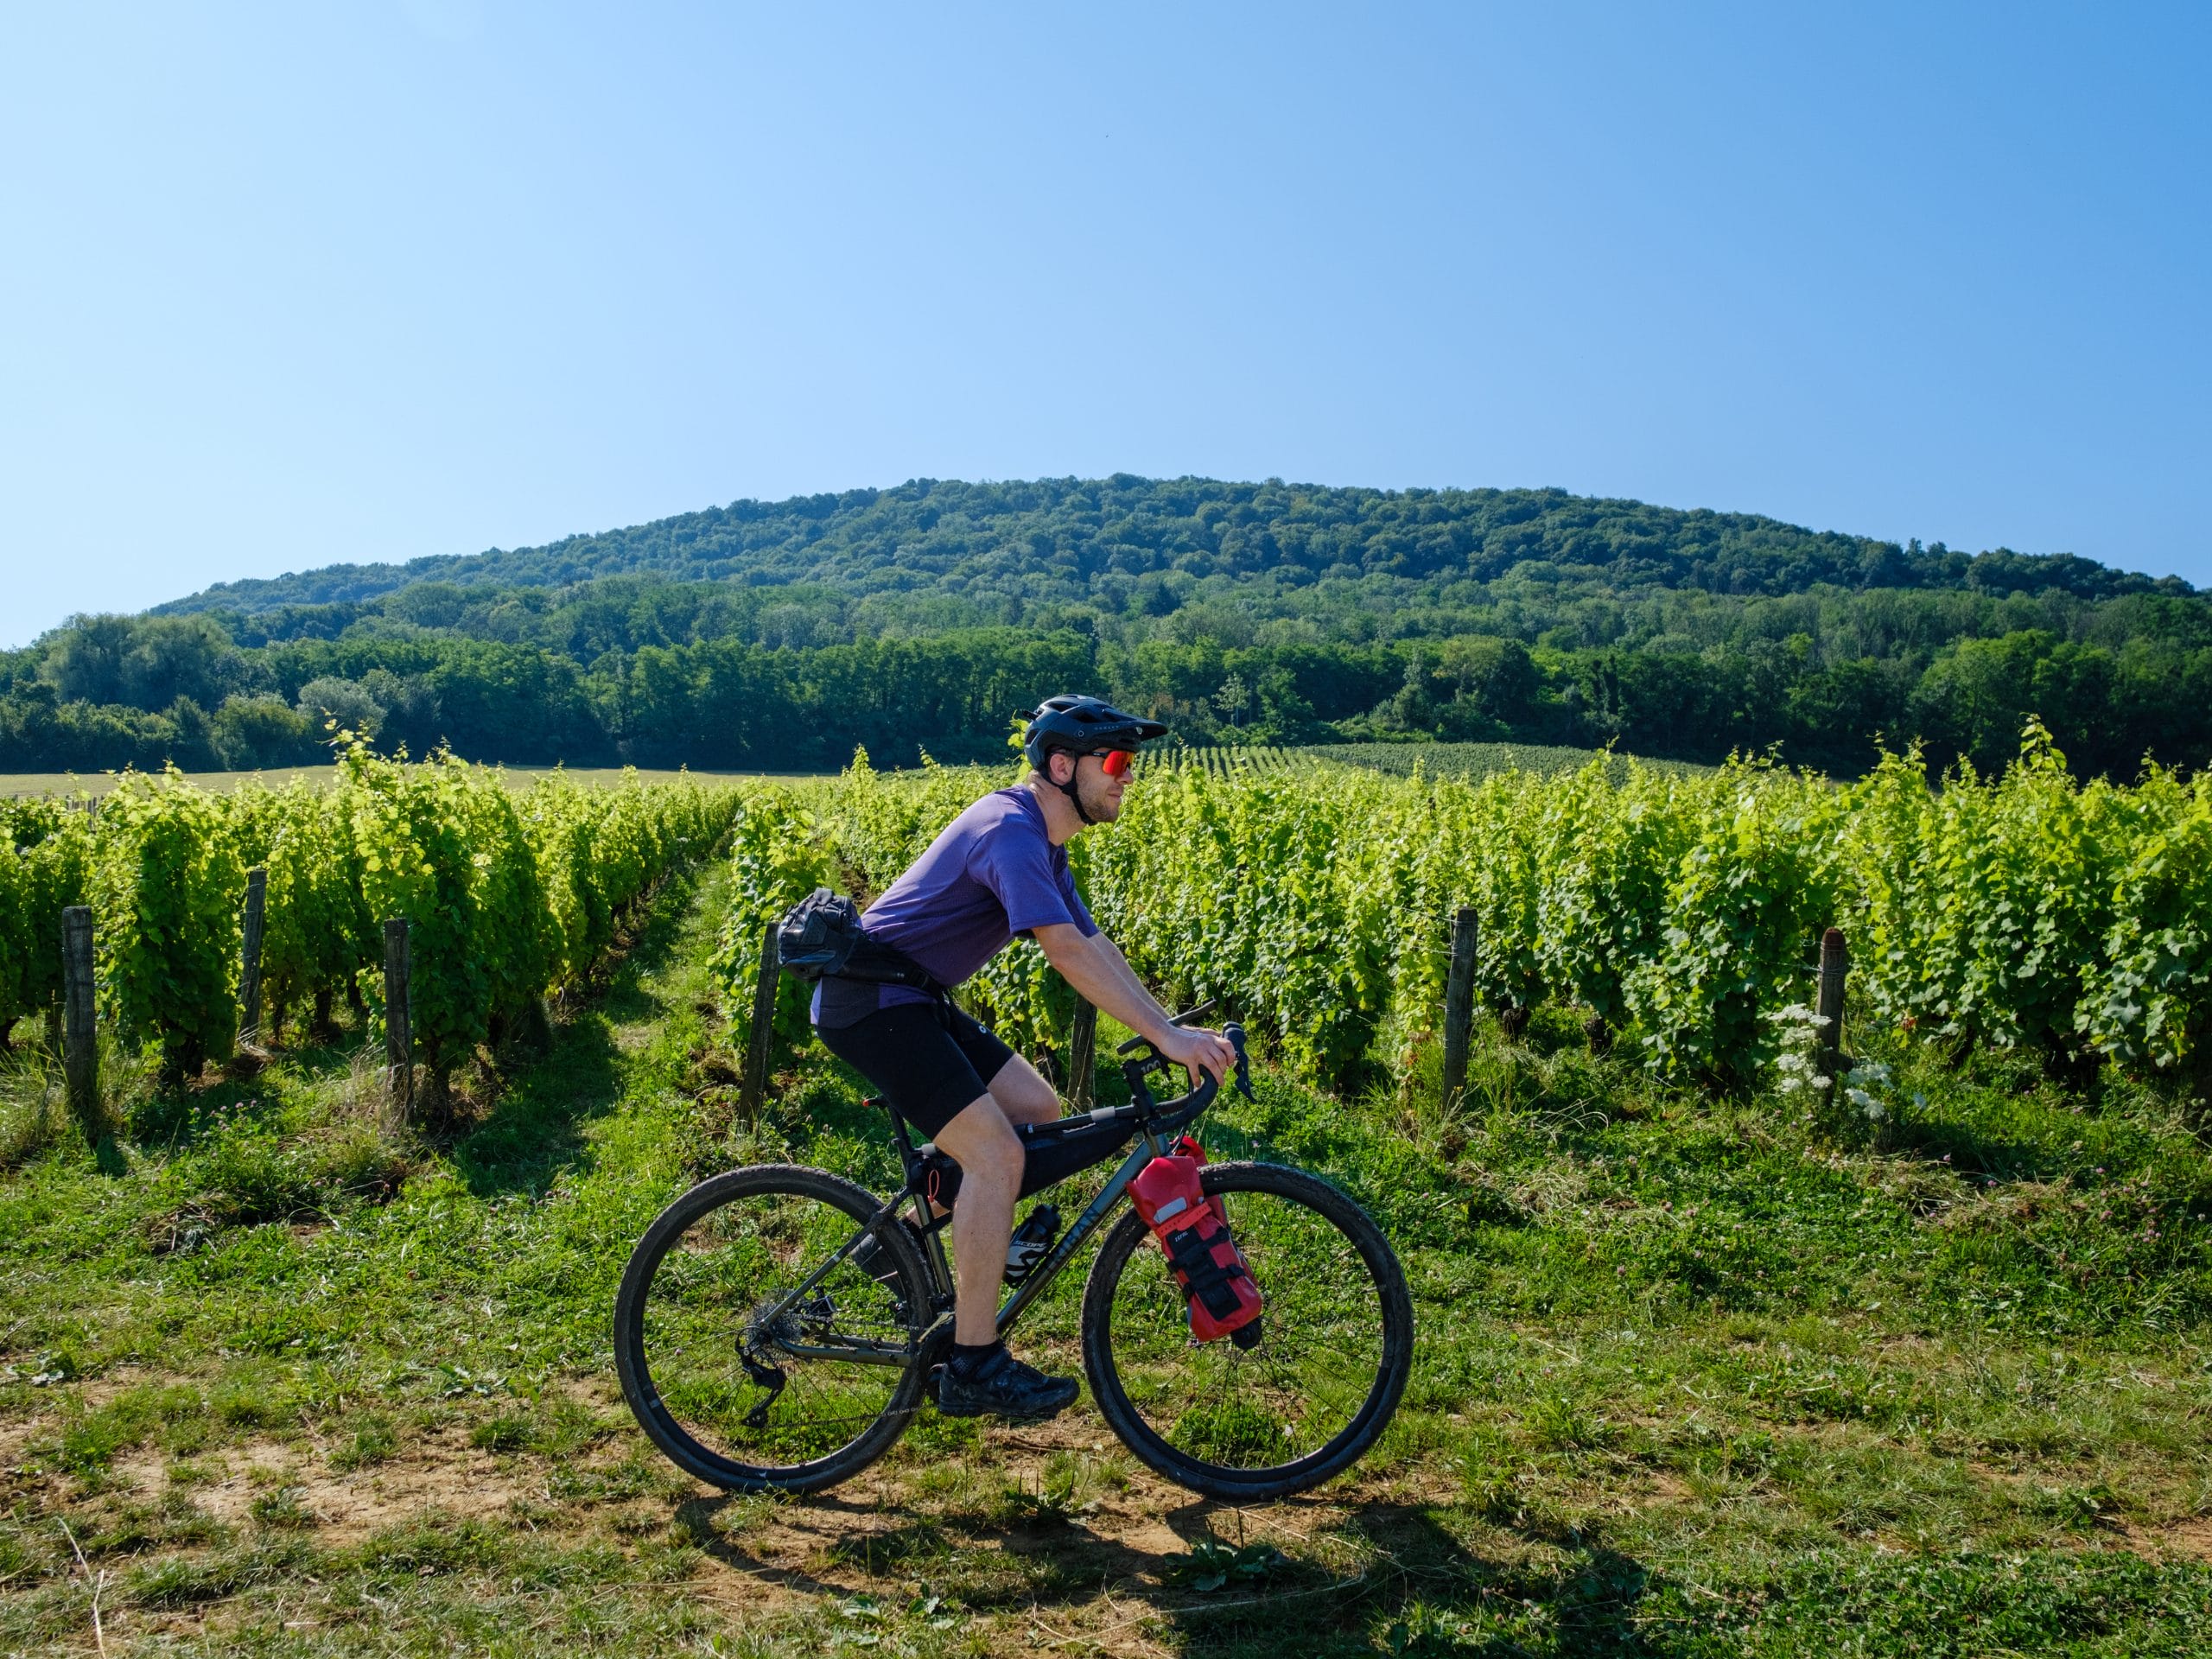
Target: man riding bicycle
1000, 869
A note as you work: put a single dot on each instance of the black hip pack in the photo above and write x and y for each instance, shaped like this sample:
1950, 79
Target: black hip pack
821, 938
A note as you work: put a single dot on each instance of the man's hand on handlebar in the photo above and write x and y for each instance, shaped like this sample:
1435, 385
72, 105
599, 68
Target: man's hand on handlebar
1199, 1050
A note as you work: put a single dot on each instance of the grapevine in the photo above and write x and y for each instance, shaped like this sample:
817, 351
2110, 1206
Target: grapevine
1677, 910
508, 894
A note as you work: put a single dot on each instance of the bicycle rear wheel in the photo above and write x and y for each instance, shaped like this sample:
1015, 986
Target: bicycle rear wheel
747, 1399
1302, 1404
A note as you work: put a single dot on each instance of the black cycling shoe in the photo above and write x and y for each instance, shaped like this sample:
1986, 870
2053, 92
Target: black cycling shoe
1001, 1386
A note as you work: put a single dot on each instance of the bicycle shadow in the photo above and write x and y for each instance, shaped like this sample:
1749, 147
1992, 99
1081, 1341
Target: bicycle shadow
1406, 1577
852, 1537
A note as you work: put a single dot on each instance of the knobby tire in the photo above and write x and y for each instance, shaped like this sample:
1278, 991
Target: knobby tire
633, 1363
1121, 1254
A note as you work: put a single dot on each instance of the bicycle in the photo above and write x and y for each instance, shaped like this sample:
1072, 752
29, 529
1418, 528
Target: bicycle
759, 1356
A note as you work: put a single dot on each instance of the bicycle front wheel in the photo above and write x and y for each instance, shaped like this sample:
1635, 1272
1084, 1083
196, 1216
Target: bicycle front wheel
741, 1384
1305, 1402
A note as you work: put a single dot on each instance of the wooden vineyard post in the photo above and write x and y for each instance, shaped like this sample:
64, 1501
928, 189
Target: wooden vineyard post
80, 1062
1835, 969
1458, 1005
257, 894
398, 1024
1083, 1056
764, 1025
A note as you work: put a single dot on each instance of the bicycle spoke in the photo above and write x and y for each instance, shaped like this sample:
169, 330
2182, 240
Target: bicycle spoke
1308, 1378
728, 1375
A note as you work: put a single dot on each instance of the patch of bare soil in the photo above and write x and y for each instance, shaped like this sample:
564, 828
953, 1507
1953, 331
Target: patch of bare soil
1089, 1570
15, 1439
440, 1473
2190, 1539
54, 1406
350, 1507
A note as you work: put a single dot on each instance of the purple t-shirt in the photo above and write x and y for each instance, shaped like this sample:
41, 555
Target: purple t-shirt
992, 873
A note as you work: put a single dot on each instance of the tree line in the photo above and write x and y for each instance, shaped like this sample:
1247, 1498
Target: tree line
116, 691
780, 635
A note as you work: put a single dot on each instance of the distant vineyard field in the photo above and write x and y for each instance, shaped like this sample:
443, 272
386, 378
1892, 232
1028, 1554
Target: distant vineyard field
1472, 761
1469, 760
95, 784
1220, 762
1477, 760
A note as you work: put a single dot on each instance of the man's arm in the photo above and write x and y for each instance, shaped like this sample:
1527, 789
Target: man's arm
1102, 978
1116, 964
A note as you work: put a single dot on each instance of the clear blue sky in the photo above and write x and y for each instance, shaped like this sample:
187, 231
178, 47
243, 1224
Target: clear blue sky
285, 284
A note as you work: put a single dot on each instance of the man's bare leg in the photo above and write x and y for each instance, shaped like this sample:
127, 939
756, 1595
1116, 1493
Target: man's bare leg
984, 1145
1023, 1095
981, 1378
1020, 1091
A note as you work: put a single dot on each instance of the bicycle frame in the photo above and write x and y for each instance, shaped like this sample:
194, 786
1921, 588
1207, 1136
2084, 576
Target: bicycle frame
1152, 1120
1092, 1219
1148, 1146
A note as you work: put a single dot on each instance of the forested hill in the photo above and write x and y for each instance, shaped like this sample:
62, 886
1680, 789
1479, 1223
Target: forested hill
1064, 539
780, 636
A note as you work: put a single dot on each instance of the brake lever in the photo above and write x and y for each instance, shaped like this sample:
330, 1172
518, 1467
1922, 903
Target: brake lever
1235, 1033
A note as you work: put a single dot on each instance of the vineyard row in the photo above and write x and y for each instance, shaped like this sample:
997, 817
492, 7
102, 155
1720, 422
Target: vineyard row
1679, 913
509, 895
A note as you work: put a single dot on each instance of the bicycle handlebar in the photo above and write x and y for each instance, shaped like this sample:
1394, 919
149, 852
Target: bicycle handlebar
1175, 1114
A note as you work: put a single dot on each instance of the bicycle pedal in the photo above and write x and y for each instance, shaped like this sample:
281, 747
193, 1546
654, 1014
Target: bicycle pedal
931, 1379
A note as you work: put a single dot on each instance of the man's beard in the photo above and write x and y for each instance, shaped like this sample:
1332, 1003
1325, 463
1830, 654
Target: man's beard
1103, 807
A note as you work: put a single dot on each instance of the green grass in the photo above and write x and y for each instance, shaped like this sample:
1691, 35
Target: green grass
1688, 1381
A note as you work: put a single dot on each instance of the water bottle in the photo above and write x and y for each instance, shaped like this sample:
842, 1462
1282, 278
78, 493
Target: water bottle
1031, 1243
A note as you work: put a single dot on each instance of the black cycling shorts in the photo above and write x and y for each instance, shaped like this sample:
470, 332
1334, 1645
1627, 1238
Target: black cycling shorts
931, 1061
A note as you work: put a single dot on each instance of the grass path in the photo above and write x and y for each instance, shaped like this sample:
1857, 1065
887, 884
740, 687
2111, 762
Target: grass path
1687, 1385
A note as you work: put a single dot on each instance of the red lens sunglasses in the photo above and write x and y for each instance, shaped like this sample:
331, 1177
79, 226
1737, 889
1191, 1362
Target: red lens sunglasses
1115, 763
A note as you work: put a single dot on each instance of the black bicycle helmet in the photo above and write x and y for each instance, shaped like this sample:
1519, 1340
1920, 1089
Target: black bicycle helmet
1081, 724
